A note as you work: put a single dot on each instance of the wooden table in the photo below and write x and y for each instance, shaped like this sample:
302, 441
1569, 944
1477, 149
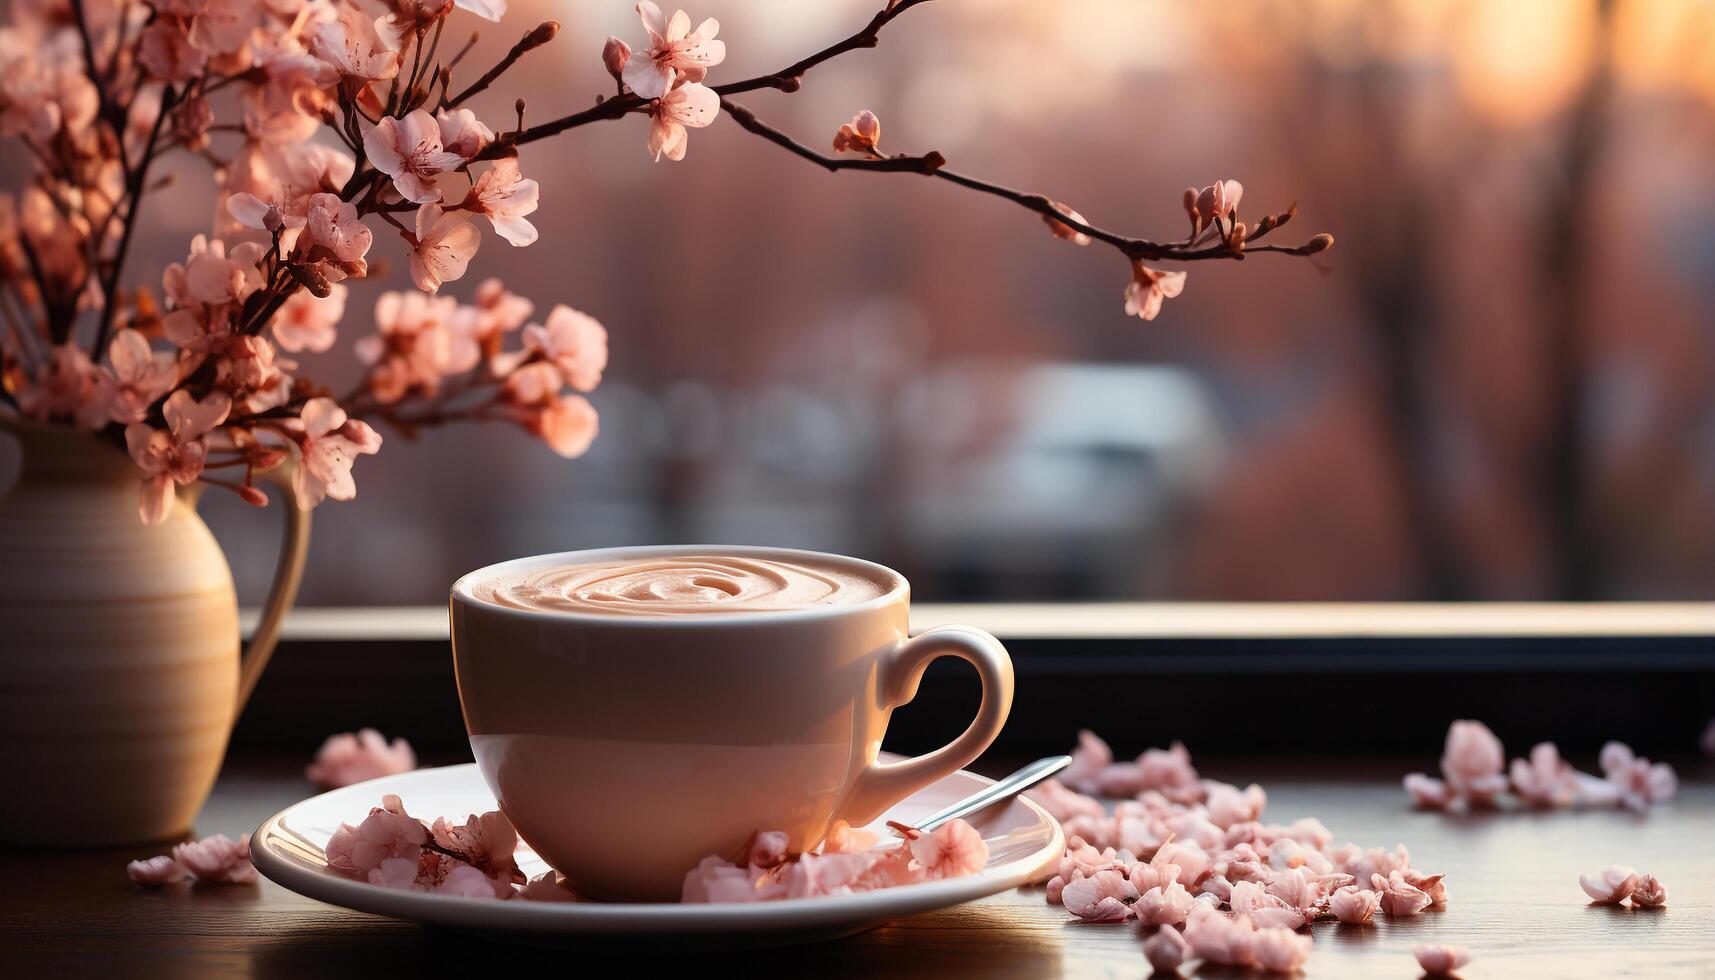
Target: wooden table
1513, 881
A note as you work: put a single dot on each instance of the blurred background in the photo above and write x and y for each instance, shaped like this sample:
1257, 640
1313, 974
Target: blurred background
1497, 386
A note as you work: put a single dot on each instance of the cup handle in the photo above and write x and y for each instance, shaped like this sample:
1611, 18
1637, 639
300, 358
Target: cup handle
288, 575
881, 785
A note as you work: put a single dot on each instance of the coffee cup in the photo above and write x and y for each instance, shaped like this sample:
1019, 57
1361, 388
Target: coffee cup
634, 719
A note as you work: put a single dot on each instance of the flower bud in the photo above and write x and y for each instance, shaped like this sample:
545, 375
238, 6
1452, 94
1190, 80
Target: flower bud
614, 54
252, 496
272, 219
867, 127
1321, 243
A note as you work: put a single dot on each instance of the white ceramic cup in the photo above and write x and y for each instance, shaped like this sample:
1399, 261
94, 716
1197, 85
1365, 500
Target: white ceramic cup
626, 749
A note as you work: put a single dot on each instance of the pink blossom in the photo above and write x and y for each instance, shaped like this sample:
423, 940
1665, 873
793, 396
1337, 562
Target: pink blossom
349, 758
416, 344
1166, 950
1441, 961
462, 133
1061, 229
1219, 200
1650, 893
491, 10
307, 322
210, 276
1473, 761
66, 387
952, 850
388, 832
1084, 897
139, 376
217, 859
716, 879
614, 56
1612, 886
861, 135
353, 45
495, 311
1353, 905
1432, 885
1163, 906
409, 151
1149, 288
547, 887
567, 423
465, 881
574, 342
1427, 792
506, 196
690, 105
328, 445
1089, 758
445, 244
487, 843
1399, 898
156, 871
1278, 950
396, 872
1219, 939
167, 52
1228, 805
1063, 804
223, 26
675, 52
333, 224
176, 454
1640, 783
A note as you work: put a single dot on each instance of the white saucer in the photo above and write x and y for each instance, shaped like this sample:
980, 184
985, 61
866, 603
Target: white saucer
1023, 841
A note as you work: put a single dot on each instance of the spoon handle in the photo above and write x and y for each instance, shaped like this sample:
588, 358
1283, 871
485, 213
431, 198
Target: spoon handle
1003, 789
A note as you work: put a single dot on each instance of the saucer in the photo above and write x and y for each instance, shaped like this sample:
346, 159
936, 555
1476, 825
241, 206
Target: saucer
1023, 842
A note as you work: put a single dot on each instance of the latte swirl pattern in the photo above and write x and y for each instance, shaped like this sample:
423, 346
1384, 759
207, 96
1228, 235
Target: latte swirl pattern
681, 585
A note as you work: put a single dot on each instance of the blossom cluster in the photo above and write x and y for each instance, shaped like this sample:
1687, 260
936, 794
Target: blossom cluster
848, 861
334, 125
1475, 774
473, 859
212, 860
1183, 851
353, 757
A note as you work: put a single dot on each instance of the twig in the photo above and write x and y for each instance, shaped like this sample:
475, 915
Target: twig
542, 34
133, 192
788, 79
931, 165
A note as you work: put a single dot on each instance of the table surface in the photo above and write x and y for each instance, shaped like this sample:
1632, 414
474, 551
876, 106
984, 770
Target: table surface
1512, 879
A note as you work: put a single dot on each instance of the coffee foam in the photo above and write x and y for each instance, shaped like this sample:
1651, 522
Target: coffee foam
684, 585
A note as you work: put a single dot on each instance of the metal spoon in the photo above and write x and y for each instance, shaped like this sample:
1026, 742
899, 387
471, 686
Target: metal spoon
1004, 789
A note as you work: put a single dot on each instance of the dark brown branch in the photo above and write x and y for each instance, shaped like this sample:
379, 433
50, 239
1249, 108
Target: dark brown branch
788, 79
785, 80
133, 198
542, 34
931, 165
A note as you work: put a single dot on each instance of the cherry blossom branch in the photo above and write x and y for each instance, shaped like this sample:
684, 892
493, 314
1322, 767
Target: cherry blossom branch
931, 164
543, 33
133, 197
789, 78
786, 80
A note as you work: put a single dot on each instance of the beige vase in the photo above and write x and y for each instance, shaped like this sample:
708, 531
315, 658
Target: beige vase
120, 669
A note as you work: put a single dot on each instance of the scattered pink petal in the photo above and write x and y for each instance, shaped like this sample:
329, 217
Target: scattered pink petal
1612, 886
547, 887
1278, 950
1167, 906
1640, 783
217, 859
1441, 961
1166, 950
1353, 905
1428, 884
1219, 938
1473, 761
158, 870
953, 850
1427, 792
350, 758
1650, 893
1399, 898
